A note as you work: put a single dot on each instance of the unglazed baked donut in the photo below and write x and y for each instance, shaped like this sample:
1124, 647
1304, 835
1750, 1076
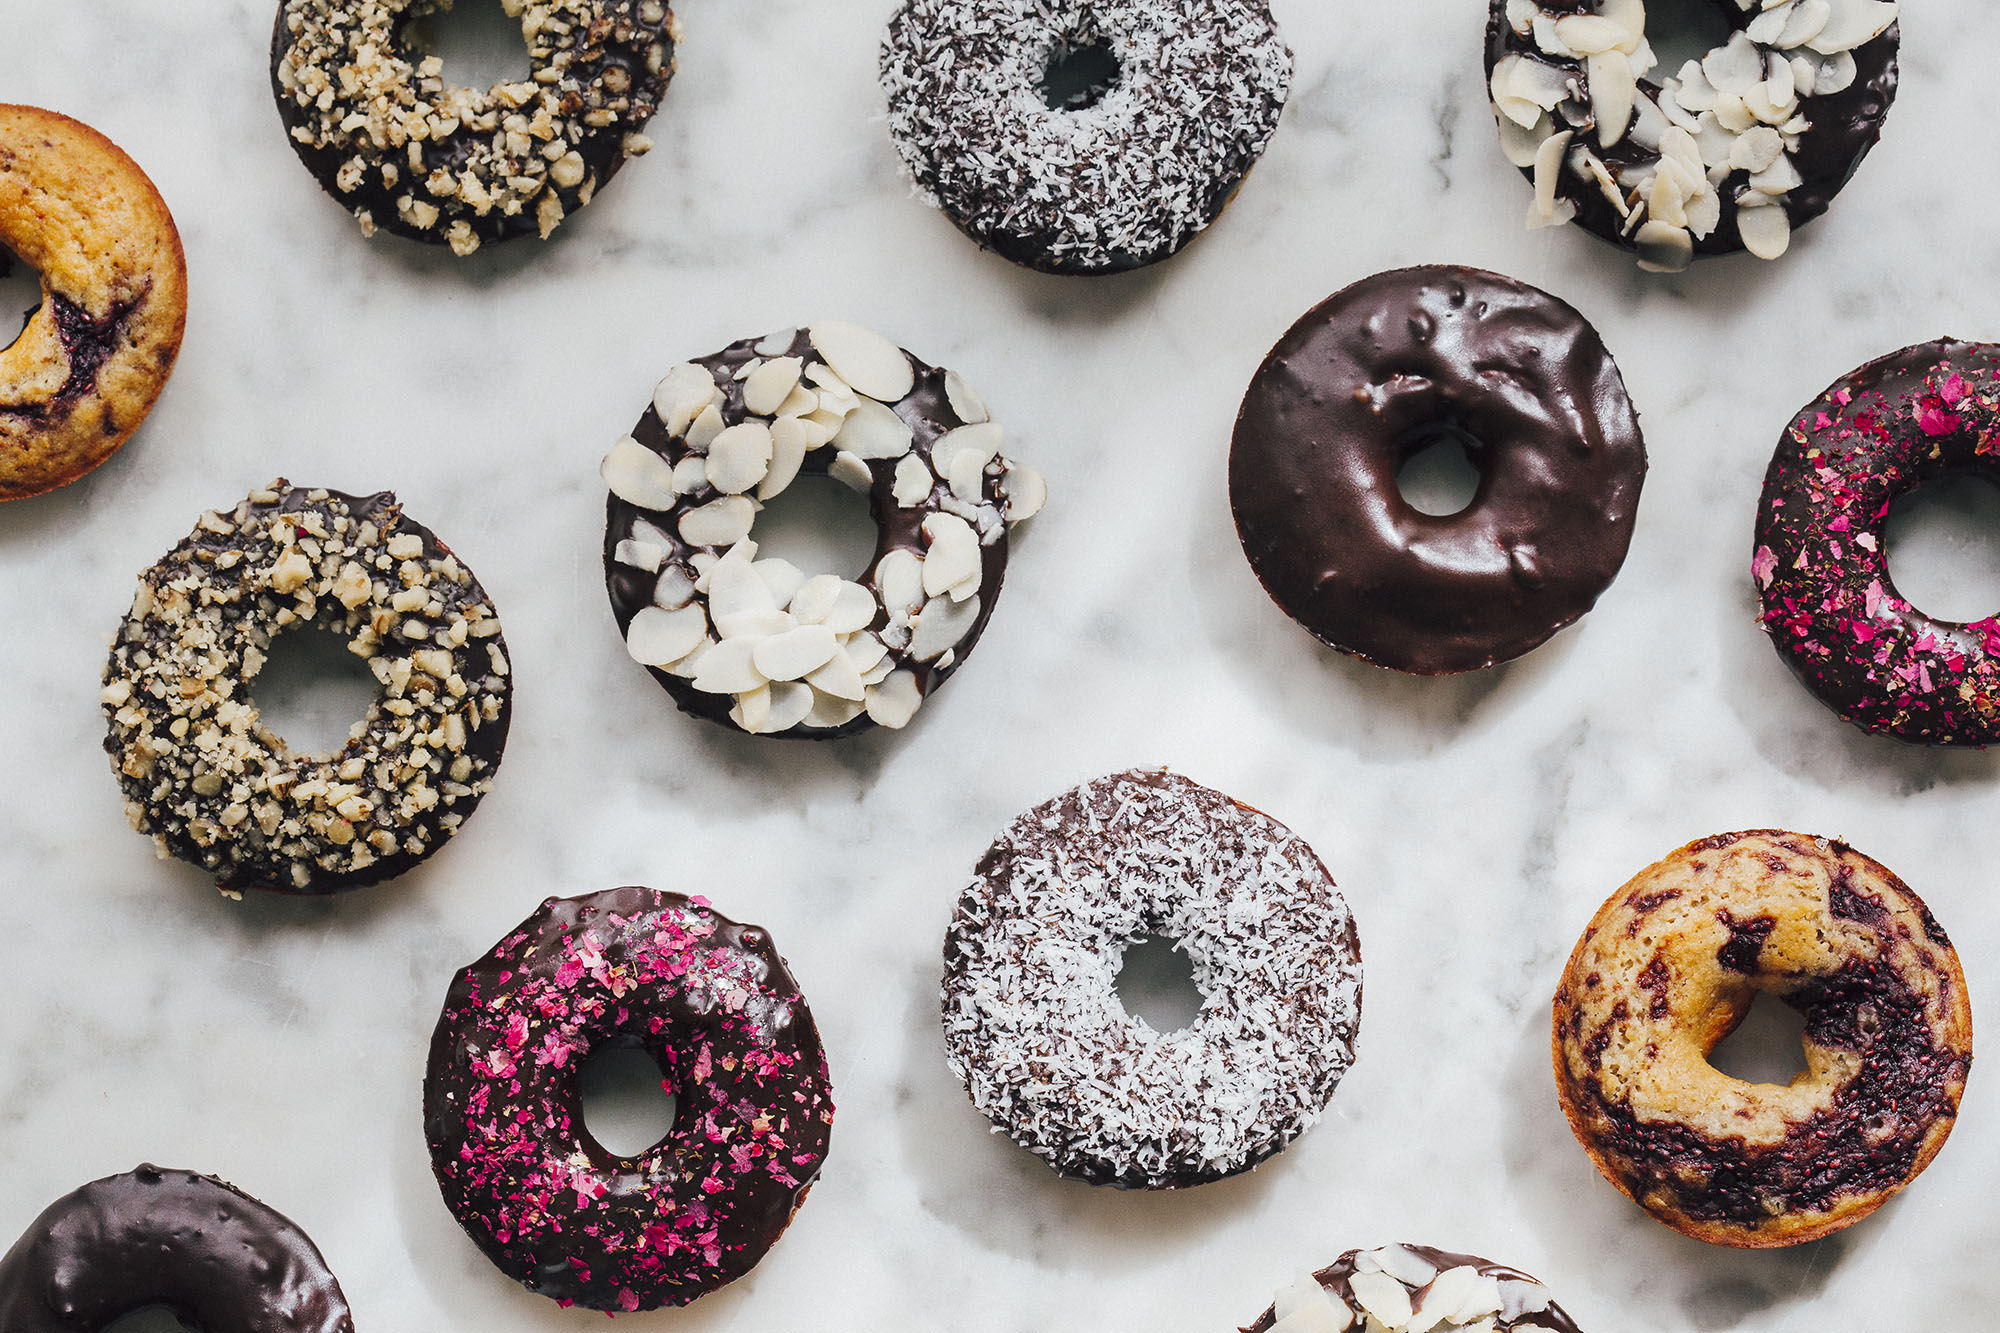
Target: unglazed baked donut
762, 645
218, 788
86, 370
405, 151
1083, 136
1830, 606
1032, 1020
214, 1256
1669, 967
714, 1006
1414, 1287
1732, 153
1379, 372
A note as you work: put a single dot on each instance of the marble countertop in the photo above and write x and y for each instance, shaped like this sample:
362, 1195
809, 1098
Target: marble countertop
1474, 823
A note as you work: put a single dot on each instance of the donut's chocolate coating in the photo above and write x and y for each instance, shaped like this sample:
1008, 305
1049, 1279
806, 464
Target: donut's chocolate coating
1821, 565
1845, 125
713, 1004
218, 1259
1335, 1277
1375, 374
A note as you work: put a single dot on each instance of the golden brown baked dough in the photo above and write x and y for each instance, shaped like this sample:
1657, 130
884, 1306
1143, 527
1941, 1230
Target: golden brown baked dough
85, 371
1668, 968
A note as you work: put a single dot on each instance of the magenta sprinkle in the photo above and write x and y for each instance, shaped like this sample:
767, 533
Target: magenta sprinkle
1830, 606
712, 1003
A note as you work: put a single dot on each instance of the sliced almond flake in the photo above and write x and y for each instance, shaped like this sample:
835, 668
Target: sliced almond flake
789, 437
734, 585
690, 666
813, 603
864, 650
752, 708
795, 652
1734, 113
899, 579
782, 577
1648, 124
894, 702
1614, 91
681, 396
1778, 178
953, 554
1769, 25
874, 431
1852, 23
1627, 14
1590, 34
913, 483
767, 387
1526, 1298
853, 609
1523, 89
1026, 492
1548, 166
968, 476
1663, 248
851, 472
1836, 75
880, 672
839, 677
721, 522
1548, 41
639, 555
1766, 232
1481, 1298
740, 457
659, 638
727, 668
1755, 149
816, 432
776, 344
674, 589
867, 361
940, 625
1704, 212
1406, 1265
760, 623
791, 704
1520, 143
965, 404
638, 476
1521, 15
1735, 67
799, 402
1447, 1293
1383, 1297
829, 711
1807, 20
1715, 144
1692, 90
746, 370
690, 474
982, 441
704, 429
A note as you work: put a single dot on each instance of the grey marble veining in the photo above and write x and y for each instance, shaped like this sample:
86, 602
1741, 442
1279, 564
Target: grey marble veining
1474, 823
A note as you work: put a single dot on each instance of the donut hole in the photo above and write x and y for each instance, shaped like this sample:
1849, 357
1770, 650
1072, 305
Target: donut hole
1942, 542
312, 691
1438, 475
1768, 1045
1156, 984
20, 289
819, 525
627, 1106
150, 1319
1683, 30
479, 45
1079, 73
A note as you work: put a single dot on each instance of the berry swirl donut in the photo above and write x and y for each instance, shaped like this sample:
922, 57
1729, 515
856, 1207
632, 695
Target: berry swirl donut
214, 785
1734, 152
1032, 1021
96, 353
1413, 1287
1669, 967
1379, 372
761, 645
212, 1255
1083, 136
714, 1006
407, 152
1829, 605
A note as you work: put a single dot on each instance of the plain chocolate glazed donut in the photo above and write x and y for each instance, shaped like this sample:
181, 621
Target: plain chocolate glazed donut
218, 1259
1379, 372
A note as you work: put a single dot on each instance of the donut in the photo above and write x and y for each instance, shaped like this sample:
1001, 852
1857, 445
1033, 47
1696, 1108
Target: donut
1669, 967
1373, 376
712, 1003
214, 785
1412, 1287
96, 353
208, 1252
1820, 565
385, 132
760, 645
1032, 1021
1082, 136
1733, 153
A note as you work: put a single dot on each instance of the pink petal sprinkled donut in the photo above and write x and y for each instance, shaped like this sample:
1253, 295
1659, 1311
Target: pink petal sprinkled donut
1830, 606
712, 1003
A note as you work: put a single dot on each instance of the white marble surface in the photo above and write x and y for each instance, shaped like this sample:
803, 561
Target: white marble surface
1474, 823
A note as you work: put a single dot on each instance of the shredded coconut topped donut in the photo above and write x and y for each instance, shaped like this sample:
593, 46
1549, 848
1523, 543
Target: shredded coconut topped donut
1032, 1020
1123, 181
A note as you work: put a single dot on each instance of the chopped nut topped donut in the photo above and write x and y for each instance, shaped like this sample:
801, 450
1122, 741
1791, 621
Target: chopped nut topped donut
759, 643
1732, 153
218, 788
410, 153
1412, 1289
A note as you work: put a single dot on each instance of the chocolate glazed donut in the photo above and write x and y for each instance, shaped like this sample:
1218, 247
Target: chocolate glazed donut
217, 1258
1373, 376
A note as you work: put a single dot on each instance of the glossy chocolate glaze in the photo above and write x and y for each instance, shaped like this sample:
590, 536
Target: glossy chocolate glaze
1829, 604
602, 149
1845, 125
87, 343
713, 1004
1375, 374
218, 1259
927, 410
1336, 1275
